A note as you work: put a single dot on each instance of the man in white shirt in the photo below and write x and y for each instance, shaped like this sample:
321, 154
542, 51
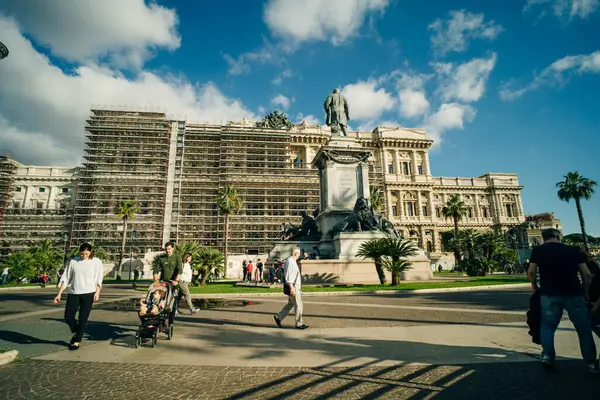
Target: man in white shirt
293, 280
4, 275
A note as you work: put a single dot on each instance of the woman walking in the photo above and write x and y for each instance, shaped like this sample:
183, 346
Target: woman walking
84, 276
185, 280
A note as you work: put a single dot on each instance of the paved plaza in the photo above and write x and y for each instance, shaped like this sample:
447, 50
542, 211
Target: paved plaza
446, 345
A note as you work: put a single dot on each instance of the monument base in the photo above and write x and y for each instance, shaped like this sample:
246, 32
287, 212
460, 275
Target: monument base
347, 244
283, 249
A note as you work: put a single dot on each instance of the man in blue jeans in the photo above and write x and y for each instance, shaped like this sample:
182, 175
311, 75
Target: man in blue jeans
560, 290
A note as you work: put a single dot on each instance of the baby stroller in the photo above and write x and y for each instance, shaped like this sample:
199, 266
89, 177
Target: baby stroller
162, 321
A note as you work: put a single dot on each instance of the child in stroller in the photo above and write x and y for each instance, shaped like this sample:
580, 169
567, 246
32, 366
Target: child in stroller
156, 313
155, 304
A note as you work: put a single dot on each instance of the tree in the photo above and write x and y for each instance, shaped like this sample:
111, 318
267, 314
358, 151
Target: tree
46, 257
375, 249
229, 203
576, 187
398, 250
490, 243
126, 210
469, 240
210, 261
21, 266
376, 198
455, 209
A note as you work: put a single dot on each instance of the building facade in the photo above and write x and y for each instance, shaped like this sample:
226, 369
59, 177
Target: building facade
38, 206
537, 223
175, 169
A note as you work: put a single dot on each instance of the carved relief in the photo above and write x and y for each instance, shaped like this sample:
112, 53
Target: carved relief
410, 195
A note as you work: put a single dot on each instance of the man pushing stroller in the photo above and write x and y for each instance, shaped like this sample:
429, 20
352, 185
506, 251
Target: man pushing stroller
168, 268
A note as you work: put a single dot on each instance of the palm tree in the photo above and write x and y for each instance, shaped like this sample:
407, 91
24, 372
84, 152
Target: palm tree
376, 198
469, 238
46, 257
398, 250
491, 243
210, 261
455, 209
375, 249
229, 203
21, 265
126, 210
576, 187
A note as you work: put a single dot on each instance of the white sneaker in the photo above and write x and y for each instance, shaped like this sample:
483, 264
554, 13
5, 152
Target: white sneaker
194, 310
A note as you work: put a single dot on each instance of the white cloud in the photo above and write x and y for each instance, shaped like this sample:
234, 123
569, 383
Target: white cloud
286, 73
565, 9
366, 101
412, 96
123, 32
556, 73
281, 100
298, 21
466, 82
454, 34
310, 119
413, 103
243, 63
449, 116
43, 109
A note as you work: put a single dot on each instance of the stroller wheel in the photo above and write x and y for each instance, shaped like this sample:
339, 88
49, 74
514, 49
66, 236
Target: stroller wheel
170, 332
155, 338
138, 340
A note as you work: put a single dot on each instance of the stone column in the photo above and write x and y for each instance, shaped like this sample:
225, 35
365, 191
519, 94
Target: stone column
413, 161
28, 191
477, 210
426, 168
51, 195
419, 204
307, 159
431, 207
388, 200
385, 161
519, 205
396, 162
422, 239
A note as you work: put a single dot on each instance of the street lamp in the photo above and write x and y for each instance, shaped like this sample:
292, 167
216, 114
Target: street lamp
131, 252
3, 51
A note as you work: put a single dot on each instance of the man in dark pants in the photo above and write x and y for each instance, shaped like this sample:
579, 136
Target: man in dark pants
560, 289
169, 268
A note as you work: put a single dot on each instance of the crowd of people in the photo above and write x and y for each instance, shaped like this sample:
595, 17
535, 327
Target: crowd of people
562, 278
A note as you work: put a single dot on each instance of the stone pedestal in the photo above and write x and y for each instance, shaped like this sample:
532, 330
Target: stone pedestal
346, 244
343, 178
283, 249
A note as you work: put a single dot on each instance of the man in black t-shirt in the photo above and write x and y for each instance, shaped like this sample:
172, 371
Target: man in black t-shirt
560, 289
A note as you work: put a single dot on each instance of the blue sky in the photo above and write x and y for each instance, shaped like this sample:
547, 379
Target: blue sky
501, 86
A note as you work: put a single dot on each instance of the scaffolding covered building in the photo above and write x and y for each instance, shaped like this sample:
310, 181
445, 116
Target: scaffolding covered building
174, 170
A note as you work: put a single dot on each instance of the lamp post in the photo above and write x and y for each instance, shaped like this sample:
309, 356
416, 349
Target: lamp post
3, 51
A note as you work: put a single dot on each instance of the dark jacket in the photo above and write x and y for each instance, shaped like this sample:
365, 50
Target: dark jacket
534, 318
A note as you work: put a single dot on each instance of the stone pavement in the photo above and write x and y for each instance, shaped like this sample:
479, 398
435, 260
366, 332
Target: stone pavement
443, 346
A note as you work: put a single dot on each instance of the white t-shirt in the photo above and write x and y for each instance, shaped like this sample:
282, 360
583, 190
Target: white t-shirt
84, 276
5, 271
187, 273
292, 272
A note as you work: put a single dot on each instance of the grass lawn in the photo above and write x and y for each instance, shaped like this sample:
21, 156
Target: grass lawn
476, 281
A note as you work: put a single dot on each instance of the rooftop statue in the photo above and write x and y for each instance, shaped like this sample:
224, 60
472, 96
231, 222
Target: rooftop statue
337, 113
275, 120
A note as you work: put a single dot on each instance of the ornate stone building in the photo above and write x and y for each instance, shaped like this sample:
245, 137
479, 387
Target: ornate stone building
174, 170
39, 206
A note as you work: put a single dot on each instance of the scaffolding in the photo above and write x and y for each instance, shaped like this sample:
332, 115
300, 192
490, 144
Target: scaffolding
126, 158
7, 178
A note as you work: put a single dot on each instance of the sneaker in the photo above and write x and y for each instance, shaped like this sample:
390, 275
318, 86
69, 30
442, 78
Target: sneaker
194, 310
594, 367
277, 320
547, 363
176, 312
303, 326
